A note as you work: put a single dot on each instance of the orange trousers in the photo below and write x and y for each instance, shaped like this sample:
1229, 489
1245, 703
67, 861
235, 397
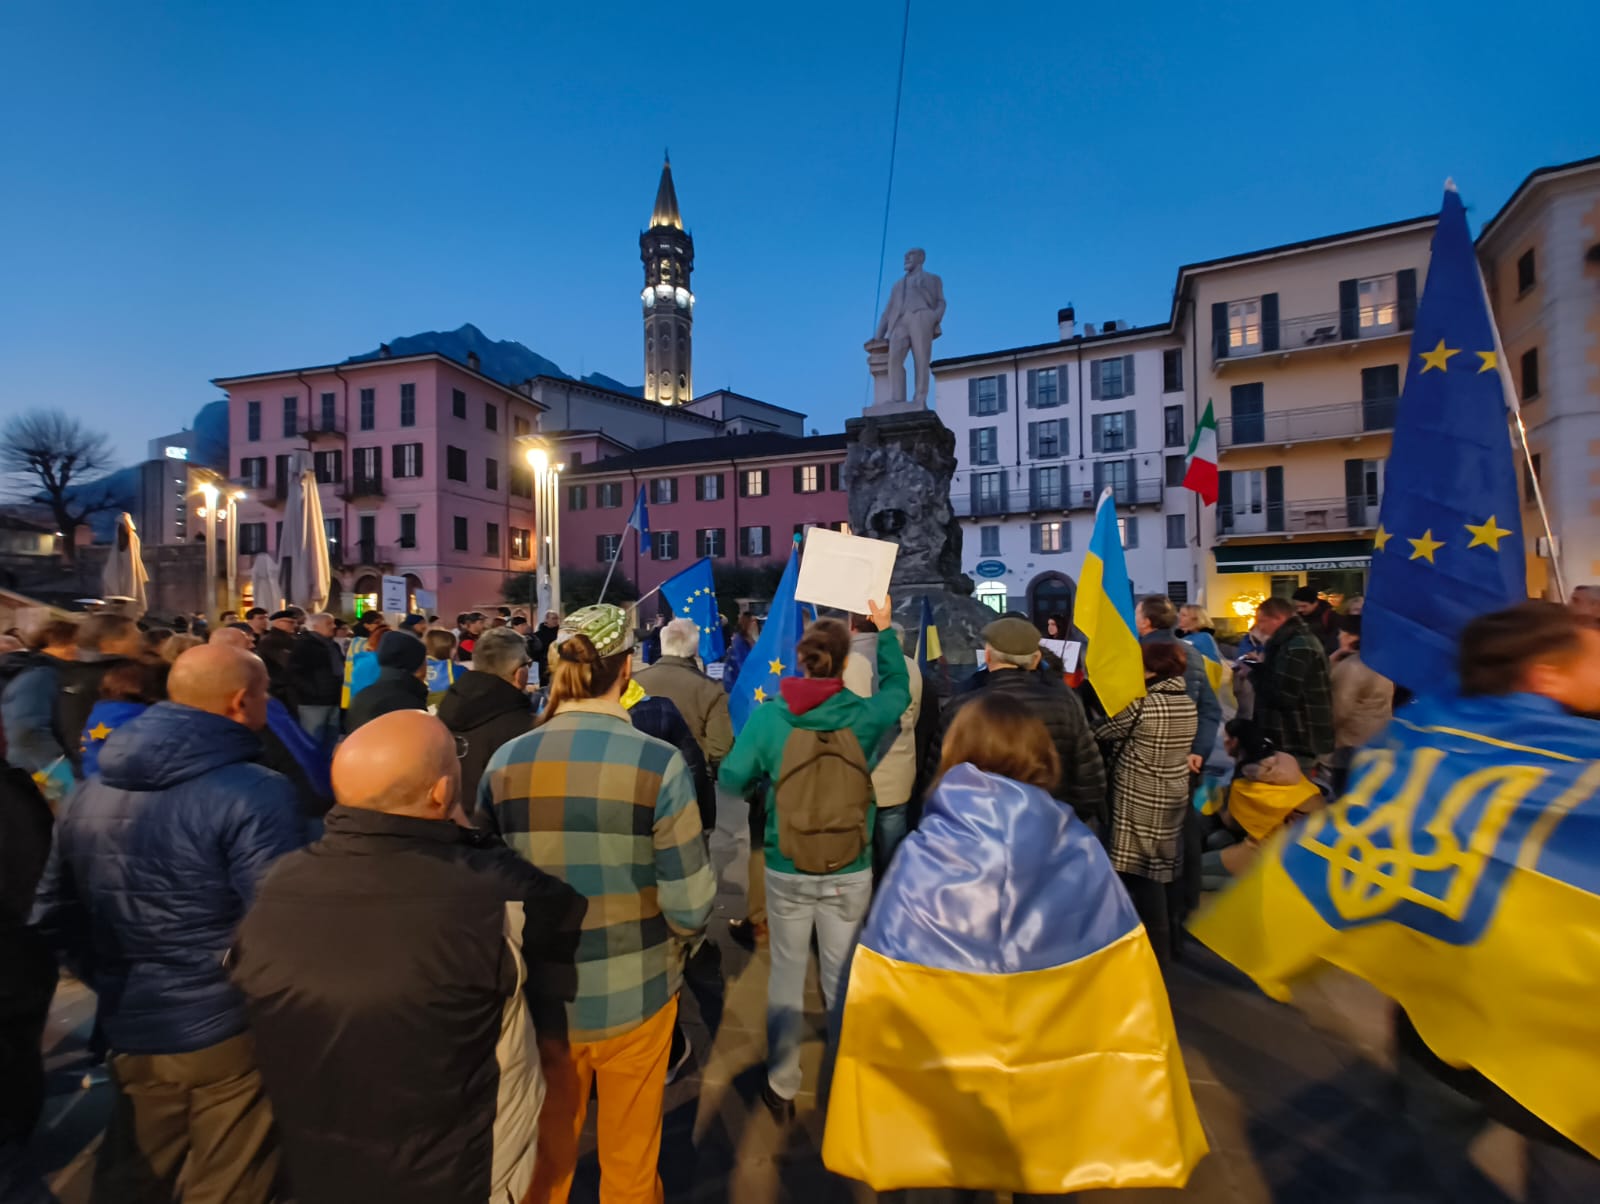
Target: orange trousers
632, 1078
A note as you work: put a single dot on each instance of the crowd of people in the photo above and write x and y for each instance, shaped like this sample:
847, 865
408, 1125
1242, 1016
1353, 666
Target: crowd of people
370, 910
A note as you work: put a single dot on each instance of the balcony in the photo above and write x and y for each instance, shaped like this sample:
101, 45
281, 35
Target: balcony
1312, 517
274, 495
366, 553
357, 488
1020, 497
1313, 332
317, 428
1347, 420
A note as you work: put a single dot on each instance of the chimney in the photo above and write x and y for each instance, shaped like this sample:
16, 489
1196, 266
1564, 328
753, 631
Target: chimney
1088, 330
472, 360
1113, 324
1066, 319
383, 351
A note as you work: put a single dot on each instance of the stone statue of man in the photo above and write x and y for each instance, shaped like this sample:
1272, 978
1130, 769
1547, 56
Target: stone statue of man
911, 322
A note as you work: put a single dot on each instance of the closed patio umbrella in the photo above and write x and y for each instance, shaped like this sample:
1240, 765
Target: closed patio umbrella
303, 549
264, 582
123, 579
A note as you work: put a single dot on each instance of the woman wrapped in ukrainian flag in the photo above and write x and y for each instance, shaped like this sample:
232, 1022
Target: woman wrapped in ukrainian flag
1005, 1025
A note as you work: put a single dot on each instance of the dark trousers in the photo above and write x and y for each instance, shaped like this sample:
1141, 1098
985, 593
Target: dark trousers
1152, 900
203, 1113
28, 985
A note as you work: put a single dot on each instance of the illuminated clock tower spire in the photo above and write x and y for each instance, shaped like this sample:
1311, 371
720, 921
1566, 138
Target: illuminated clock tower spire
668, 254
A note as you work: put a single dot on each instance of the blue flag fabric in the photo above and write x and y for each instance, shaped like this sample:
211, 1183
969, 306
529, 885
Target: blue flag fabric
772, 659
1449, 544
693, 595
929, 650
639, 520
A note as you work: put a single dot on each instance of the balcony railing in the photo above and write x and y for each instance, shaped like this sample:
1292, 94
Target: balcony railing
365, 552
1354, 325
317, 427
1341, 421
1022, 497
1300, 517
358, 487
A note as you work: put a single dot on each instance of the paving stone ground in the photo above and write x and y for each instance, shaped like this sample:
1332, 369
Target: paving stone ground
1297, 1102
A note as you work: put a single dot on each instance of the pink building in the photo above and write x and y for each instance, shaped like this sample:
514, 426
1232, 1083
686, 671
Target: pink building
421, 472
739, 499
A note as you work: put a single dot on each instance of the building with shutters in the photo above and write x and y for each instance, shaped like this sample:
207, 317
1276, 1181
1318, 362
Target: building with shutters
1302, 351
739, 499
1541, 259
1040, 431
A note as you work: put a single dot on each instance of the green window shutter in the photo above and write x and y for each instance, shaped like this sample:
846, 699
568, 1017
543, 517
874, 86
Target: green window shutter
1349, 309
1275, 515
1127, 376
1405, 284
1219, 330
972, 396
1000, 392
1269, 321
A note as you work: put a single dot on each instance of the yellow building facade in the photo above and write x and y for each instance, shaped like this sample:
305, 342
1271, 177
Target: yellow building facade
1302, 352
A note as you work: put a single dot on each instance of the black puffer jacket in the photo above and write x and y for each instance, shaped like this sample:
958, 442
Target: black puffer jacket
1083, 773
397, 1047
394, 690
486, 711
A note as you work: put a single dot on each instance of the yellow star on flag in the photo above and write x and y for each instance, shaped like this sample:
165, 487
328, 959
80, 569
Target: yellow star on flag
1381, 538
760, 695
1487, 534
1490, 359
1424, 548
100, 731
775, 668
1439, 357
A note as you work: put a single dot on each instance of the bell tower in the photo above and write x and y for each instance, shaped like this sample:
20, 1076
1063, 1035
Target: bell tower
668, 254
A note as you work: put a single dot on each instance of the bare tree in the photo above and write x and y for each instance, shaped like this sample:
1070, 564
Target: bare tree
63, 457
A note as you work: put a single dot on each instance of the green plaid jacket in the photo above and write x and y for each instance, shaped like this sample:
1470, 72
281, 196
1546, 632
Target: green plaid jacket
611, 812
1294, 694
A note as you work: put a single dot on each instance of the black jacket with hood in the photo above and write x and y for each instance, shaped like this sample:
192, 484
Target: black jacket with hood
486, 711
394, 690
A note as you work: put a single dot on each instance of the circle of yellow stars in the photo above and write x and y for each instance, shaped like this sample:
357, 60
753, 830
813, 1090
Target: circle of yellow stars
1486, 534
774, 667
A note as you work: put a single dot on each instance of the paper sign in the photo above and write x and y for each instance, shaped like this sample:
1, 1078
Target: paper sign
393, 598
844, 571
427, 601
1067, 650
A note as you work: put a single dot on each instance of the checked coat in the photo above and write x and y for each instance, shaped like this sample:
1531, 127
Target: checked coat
1147, 757
611, 812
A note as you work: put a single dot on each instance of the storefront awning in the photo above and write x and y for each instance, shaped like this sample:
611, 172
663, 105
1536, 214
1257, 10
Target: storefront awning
1294, 557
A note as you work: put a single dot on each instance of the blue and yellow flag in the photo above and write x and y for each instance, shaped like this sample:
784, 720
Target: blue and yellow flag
929, 651
1449, 542
692, 594
1104, 613
1005, 1025
1206, 644
772, 659
1460, 875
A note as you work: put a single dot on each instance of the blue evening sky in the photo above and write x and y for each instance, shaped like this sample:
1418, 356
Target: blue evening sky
192, 190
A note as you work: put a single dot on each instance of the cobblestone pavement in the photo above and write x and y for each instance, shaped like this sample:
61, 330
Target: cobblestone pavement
1297, 1101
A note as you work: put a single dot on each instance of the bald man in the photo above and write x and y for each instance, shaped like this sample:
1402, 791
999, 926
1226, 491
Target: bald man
429, 945
153, 866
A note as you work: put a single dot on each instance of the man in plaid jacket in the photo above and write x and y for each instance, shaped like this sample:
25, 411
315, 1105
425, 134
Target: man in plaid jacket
610, 811
1294, 687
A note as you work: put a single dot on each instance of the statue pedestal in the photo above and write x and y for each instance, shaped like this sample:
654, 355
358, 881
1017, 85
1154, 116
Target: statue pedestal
883, 400
898, 466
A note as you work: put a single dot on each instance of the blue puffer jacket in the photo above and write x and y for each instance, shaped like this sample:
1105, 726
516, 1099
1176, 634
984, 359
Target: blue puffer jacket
154, 864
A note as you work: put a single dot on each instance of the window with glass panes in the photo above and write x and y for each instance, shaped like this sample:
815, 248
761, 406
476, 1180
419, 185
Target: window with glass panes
808, 478
521, 542
408, 405
369, 409
988, 541
291, 417
1176, 536
606, 547
1376, 298
663, 491
1172, 427
458, 403
455, 463
408, 528
1046, 537
252, 421
460, 533
608, 496
1244, 325
708, 487
710, 542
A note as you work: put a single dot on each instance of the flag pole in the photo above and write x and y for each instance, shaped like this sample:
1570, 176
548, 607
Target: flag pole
1510, 388
621, 539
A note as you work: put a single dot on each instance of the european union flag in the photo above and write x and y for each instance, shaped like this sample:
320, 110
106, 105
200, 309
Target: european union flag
772, 659
693, 595
639, 520
1449, 545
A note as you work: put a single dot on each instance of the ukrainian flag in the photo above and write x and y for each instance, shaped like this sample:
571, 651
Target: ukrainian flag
1206, 644
1005, 1026
1104, 613
1460, 875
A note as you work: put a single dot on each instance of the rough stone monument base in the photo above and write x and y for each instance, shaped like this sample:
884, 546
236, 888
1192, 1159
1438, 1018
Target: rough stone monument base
897, 469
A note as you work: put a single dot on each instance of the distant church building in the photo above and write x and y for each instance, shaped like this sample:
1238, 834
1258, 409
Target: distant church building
668, 254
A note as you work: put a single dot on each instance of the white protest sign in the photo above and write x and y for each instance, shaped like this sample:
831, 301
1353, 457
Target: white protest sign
844, 571
392, 599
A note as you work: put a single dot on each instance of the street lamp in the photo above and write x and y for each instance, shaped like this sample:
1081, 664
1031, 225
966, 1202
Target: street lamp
209, 514
233, 549
546, 483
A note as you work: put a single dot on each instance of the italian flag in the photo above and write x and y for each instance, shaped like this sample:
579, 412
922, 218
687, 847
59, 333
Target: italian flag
1200, 474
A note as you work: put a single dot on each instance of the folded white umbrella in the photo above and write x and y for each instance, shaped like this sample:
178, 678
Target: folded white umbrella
124, 577
264, 582
303, 550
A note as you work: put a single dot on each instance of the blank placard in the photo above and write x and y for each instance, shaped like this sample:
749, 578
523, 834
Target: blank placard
844, 571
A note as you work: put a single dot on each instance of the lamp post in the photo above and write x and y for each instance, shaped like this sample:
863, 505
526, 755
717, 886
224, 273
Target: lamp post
209, 514
233, 549
546, 483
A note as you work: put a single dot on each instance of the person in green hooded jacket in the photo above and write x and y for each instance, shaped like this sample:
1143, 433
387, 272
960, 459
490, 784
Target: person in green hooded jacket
833, 905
